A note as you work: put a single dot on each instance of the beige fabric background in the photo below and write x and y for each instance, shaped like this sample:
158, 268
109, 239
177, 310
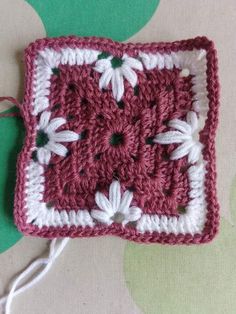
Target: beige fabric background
88, 278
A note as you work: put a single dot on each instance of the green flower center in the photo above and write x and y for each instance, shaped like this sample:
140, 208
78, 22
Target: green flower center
116, 62
117, 139
103, 55
118, 217
42, 138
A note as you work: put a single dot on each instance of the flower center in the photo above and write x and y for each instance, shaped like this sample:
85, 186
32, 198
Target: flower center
117, 139
118, 217
103, 55
116, 62
42, 138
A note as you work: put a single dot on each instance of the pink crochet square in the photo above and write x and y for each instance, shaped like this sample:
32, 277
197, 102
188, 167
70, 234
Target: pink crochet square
120, 140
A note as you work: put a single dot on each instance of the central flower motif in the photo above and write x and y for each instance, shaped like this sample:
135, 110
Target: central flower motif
114, 70
117, 208
114, 139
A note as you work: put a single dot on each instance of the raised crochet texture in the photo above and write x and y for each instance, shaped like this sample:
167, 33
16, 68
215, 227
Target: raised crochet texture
120, 140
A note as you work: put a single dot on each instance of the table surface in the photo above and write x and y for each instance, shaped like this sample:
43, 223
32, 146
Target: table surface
109, 275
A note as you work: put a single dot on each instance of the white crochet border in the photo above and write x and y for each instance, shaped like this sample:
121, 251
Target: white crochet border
193, 220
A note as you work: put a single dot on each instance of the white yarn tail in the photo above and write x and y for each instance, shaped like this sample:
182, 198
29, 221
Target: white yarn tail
56, 247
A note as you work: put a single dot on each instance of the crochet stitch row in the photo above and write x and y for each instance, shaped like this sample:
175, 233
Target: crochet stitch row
116, 208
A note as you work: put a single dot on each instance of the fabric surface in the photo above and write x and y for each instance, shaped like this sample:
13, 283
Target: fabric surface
109, 274
14, 137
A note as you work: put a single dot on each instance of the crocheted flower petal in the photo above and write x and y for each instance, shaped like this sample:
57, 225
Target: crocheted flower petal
192, 120
194, 153
44, 119
56, 148
129, 74
182, 150
102, 65
180, 125
171, 137
105, 78
65, 136
115, 195
101, 216
43, 155
104, 204
133, 63
54, 124
134, 213
117, 84
125, 202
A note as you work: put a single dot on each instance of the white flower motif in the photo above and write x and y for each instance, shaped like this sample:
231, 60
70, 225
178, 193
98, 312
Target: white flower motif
116, 208
186, 134
48, 140
114, 70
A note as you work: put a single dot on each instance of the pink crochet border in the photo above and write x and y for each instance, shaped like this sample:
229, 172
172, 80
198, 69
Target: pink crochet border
207, 136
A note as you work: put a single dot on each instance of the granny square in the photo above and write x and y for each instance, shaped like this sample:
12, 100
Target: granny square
120, 140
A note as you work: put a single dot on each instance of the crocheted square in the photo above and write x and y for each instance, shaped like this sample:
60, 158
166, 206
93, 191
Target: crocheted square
120, 140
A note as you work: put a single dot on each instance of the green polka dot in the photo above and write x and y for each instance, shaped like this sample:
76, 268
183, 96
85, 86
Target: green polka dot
233, 200
118, 20
184, 279
11, 135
